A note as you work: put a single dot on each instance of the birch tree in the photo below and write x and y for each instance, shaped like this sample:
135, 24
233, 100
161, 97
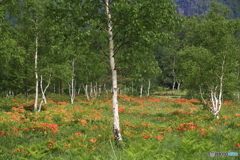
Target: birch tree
123, 24
210, 63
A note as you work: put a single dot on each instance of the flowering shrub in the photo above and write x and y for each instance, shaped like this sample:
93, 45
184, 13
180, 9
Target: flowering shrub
187, 126
52, 128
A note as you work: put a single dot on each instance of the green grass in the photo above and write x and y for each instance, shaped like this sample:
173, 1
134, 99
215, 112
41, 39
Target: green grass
170, 93
152, 129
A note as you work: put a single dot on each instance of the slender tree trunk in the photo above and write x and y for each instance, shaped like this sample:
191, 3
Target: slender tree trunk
72, 85
174, 84
174, 75
61, 87
36, 71
216, 102
91, 90
216, 94
141, 90
116, 123
99, 90
149, 85
86, 91
105, 88
79, 89
178, 85
95, 90
44, 100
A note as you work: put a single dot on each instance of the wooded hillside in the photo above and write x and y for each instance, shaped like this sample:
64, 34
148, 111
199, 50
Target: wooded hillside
196, 7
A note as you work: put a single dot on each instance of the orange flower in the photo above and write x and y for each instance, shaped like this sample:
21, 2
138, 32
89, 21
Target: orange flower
212, 128
139, 102
68, 144
83, 122
162, 133
203, 134
127, 133
78, 134
2, 134
121, 109
50, 144
237, 145
93, 140
159, 137
146, 136
203, 130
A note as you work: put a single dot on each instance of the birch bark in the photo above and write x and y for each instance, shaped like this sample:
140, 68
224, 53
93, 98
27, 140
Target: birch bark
86, 91
141, 90
36, 67
149, 85
116, 124
44, 100
72, 85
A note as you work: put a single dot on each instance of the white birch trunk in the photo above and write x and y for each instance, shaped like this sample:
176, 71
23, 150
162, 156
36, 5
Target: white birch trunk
174, 76
174, 84
72, 85
105, 88
141, 90
99, 90
216, 102
116, 123
95, 90
86, 91
44, 100
36, 70
91, 90
79, 89
179, 84
149, 85
216, 94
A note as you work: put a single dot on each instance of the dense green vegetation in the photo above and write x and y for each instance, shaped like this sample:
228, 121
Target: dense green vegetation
197, 7
67, 49
152, 128
57, 87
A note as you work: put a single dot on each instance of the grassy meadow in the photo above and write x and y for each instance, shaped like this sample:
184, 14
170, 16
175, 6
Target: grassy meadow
152, 129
